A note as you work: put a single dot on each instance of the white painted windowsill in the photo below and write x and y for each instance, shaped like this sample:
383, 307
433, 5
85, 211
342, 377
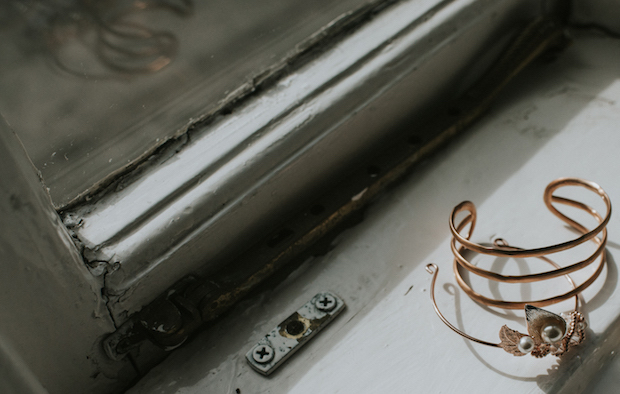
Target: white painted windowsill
556, 119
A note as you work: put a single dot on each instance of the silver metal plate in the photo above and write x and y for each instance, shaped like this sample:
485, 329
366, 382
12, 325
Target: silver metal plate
284, 340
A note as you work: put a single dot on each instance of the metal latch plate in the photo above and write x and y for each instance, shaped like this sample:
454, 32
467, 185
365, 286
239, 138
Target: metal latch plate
284, 340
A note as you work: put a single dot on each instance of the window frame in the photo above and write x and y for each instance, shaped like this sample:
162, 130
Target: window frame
378, 77
153, 228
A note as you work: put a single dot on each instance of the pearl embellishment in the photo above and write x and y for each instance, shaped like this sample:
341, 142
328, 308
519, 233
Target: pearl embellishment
526, 344
552, 334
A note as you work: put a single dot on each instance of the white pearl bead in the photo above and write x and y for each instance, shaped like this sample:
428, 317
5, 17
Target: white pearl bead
551, 334
526, 344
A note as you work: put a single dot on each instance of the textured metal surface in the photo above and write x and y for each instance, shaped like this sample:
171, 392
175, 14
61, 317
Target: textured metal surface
290, 335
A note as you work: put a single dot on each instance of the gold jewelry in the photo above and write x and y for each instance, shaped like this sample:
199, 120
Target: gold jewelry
548, 333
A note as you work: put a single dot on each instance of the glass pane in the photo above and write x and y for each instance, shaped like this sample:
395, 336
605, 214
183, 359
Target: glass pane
89, 86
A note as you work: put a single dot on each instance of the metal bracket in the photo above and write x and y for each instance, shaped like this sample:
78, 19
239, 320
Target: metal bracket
284, 340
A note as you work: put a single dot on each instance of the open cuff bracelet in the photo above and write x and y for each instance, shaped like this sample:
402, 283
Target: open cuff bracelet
548, 333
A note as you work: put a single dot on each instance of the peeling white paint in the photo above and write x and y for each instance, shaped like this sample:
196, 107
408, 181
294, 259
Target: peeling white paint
359, 195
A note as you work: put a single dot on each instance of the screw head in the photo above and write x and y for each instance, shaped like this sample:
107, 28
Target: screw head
325, 302
295, 327
263, 354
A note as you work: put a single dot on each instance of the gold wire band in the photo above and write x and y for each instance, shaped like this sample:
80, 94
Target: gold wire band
521, 304
434, 270
501, 248
549, 199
